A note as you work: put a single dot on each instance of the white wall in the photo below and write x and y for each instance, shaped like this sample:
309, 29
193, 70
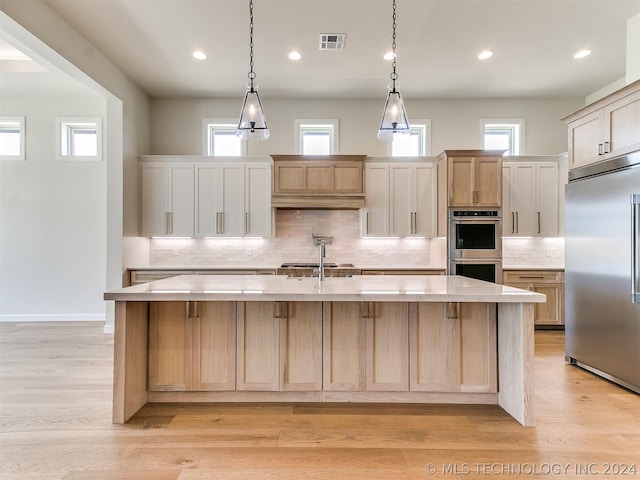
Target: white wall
52, 223
35, 24
455, 123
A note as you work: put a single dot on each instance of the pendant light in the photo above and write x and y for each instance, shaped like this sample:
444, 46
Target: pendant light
394, 116
252, 124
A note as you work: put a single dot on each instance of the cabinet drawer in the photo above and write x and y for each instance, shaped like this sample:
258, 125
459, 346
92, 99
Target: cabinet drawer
532, 276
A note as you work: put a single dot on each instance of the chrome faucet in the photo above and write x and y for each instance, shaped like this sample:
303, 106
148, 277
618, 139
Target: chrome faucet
321, 241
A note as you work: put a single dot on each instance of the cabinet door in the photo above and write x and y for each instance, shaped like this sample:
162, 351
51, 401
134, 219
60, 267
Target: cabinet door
232, 200
387, 347
477, 340
257, 200
622, 120
376, 213
301, 346
424, 195
401, 200
206, 205
550, 312
181, 200
343, 347
487, 182
258, 347
547, 200
585, 136
289, 178
348, 178
154, 201
214, 346
523, 217
431, 348
170, 347
461, 182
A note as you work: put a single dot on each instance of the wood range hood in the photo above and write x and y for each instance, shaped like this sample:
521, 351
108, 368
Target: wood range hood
318, 181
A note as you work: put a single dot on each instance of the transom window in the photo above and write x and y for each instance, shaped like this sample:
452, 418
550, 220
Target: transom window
79, 138
219, 138
503, 135
415, 144
316, 137
12, 138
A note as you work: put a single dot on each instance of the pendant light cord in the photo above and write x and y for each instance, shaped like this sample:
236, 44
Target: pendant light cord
394, 75
251, 74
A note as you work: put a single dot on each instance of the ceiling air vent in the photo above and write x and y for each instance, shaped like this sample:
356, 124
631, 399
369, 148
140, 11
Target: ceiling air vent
332, 41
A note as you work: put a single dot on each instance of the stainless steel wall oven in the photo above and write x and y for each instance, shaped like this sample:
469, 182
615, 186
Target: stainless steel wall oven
475, 234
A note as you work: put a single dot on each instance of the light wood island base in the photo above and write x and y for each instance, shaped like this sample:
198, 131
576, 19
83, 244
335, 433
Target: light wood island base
326, 346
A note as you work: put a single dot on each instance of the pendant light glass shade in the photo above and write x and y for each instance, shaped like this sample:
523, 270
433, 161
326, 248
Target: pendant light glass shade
394, 117
252, 124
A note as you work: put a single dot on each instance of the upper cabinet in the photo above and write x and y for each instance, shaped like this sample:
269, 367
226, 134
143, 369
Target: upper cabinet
318, 181
400, 199
468, 179
167, 199
530, 204
607, 128
209, 198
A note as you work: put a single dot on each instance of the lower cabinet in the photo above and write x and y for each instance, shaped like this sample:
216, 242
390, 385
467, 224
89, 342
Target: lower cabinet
315, 346
192, 346
547, 282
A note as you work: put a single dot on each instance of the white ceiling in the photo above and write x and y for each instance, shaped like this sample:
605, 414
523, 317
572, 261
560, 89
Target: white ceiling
437, 43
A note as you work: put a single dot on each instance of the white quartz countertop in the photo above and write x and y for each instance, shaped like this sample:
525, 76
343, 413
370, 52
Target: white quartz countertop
361, 288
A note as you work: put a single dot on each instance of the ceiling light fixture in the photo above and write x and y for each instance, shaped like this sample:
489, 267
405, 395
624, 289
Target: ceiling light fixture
294, 55
582, 53
199, 55
389, 56
394, 116
485, 54
252, 124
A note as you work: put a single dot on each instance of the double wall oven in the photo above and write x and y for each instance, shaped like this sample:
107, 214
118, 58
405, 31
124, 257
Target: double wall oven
475, 244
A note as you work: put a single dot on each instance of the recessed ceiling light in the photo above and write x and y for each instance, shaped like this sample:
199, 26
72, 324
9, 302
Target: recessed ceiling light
200, 55
582, 53
485, 54
389, 56
294, 55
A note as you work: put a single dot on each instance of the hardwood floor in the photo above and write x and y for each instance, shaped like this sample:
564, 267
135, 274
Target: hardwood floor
55, 406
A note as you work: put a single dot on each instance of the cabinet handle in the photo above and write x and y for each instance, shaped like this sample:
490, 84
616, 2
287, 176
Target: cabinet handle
635, 248
600, 149
517, 223
475, 197
193, 309
414, 221
366, 223
281, 310
530, 277
170, 222
219, 224
538, 222
607, 147
513, 222
366, 310
278, 307
453, 310
166, 223
246, 223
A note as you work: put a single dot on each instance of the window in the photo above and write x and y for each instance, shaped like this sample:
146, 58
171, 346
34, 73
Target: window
79, 139
220, 139
316, 137
503, 135
415, 144
12, 138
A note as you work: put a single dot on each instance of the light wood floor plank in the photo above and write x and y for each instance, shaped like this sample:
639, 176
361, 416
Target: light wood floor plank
55, 424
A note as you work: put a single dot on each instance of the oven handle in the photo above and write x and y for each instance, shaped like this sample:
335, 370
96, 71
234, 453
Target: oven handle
476, 220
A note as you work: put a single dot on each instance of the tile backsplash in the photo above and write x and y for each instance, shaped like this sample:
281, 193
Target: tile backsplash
293, 243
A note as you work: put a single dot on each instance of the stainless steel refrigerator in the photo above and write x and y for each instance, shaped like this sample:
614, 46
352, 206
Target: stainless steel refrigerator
602, 314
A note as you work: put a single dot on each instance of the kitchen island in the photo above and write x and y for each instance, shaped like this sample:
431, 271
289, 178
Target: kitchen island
256, 338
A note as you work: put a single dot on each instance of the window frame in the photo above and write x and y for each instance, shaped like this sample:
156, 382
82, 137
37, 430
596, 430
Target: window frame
209, 125
332, 125
21, 127
62, 124
423, 124
516, 123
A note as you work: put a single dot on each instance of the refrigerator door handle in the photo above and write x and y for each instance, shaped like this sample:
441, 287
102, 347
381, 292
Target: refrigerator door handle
635, 247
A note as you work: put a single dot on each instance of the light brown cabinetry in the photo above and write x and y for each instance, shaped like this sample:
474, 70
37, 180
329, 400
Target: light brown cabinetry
192, 346
332, 180
401, 271
468, 179
605, 129
547, 282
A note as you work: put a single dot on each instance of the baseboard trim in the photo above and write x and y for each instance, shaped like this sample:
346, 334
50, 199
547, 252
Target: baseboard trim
54, 317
